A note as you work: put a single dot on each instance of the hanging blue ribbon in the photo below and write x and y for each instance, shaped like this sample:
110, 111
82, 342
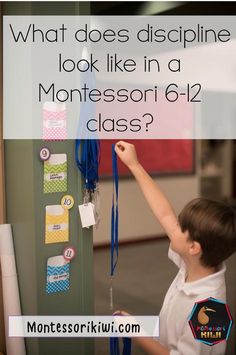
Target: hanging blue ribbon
114, 213
115, 349
114, 346
114, 342
88, 164
88, 148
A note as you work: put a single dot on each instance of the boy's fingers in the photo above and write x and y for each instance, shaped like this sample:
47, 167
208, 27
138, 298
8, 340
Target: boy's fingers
116, 313
121, 145
117, 150
121, 313
125, 313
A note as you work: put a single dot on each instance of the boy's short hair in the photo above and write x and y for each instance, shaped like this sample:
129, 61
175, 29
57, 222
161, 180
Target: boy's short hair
213, 225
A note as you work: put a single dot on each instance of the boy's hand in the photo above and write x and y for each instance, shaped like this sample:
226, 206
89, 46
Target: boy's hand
127, 154
121, 313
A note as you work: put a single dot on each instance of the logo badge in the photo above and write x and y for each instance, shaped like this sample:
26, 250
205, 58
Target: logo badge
69, 253
210, 321
67, 202
44, 154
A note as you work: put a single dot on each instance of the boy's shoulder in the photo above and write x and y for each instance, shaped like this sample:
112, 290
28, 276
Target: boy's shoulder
209, 286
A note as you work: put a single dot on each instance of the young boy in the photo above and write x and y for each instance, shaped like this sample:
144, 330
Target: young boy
201, 238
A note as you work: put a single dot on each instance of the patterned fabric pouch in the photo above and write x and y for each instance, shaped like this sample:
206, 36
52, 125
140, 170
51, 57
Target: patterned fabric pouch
58, 274
57, 224
55, 173
54, 121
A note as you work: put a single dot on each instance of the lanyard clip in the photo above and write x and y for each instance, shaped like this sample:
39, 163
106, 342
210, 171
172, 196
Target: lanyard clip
111, 294
86, 196
95, 197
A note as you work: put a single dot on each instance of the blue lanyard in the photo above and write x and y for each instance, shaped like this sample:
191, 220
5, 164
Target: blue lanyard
114, 346
114, 214
88, 162
89, 149
114, 342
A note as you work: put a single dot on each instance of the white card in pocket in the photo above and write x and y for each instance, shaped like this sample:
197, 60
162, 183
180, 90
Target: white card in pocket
87, 215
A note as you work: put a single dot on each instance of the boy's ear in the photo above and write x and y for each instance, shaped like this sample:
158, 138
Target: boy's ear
195, 248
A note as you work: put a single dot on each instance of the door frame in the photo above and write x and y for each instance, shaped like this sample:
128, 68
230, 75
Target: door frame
2, 184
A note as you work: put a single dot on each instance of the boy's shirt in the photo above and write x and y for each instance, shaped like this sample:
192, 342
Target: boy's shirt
175, 332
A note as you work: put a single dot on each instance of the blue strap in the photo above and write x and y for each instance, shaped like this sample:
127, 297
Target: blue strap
126, 346
87, 151
114, 342
88, 163
114, 346
114, 214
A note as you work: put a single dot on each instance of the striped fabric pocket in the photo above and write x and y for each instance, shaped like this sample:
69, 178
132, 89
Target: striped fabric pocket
58, 274
55, 173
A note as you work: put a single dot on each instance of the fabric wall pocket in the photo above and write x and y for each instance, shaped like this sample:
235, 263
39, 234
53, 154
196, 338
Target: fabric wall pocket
58, 274
57, 224
55, 173
54, 121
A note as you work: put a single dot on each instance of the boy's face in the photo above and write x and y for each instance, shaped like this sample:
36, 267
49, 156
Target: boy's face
180, 242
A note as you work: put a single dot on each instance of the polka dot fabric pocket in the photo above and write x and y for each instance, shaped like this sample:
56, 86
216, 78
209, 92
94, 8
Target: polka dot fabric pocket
56, 224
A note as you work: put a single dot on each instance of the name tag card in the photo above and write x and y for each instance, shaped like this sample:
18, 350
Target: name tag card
87, 215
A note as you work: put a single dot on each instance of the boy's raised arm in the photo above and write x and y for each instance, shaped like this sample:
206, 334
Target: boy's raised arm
158, 202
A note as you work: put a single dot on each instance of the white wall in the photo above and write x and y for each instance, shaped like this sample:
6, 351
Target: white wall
136, 220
